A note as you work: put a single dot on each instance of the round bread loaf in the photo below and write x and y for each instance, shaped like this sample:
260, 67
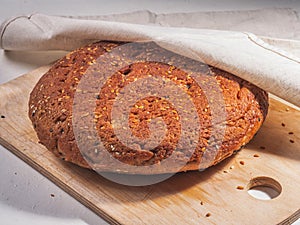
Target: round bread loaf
51, 110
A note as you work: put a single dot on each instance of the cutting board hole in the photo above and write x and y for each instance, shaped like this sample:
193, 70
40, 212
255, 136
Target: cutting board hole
264, 188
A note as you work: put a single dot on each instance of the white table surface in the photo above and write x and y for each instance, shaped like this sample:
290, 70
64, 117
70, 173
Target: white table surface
27, 197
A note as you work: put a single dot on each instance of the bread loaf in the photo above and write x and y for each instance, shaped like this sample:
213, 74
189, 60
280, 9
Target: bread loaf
51, 110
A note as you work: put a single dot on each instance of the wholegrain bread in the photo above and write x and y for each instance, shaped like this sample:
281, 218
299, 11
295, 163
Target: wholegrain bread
51, 108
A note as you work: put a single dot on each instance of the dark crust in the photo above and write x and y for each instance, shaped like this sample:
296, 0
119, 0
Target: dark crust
51, 101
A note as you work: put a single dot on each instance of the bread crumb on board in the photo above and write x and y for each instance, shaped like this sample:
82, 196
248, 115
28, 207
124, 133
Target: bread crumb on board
208, 215
239, 187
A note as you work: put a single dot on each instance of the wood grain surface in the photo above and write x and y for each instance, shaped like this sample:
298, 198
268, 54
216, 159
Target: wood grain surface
215, 196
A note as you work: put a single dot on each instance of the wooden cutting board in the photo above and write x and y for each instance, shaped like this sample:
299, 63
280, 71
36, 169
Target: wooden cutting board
209, 197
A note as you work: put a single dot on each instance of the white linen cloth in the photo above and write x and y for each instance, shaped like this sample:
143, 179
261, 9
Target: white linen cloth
234, 49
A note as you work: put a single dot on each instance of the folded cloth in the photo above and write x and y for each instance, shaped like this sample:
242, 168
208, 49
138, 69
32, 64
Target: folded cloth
240, 53
280, 23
